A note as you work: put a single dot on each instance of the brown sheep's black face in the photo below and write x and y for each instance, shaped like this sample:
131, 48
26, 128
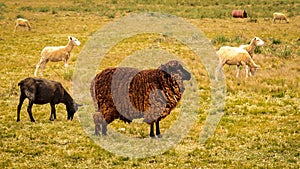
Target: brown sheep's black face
175, 69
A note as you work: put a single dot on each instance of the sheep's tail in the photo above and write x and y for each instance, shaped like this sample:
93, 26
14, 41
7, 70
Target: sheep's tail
21, 83
92, 92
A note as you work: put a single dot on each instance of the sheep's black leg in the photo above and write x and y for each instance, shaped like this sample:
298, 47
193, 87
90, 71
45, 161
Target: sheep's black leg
157, 129
152, 131
22, 98
30, 104
53, 112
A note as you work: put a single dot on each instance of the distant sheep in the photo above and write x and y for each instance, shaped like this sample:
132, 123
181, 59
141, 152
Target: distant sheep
280, 17
256, 41
235, 56
22, 22
42, 91
127, 93
56, 54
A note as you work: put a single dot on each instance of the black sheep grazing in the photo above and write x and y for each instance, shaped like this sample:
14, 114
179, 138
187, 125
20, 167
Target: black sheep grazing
128, 93
42, 91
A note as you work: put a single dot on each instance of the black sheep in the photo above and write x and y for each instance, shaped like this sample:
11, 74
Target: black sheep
42, 91
127, 93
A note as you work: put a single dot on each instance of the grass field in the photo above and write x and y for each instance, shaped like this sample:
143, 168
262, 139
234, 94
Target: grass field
260, 126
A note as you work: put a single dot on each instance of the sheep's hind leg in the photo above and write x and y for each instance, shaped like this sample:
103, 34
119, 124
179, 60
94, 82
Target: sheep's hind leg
40, 66
53, 112
30, 104
22, 98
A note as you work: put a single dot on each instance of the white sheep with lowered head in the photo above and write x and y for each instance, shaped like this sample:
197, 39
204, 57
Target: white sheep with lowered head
256, 41
235, 56
22, 22
280, 17
56, 54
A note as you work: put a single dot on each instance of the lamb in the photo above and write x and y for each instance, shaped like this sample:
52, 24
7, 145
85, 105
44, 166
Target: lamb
22, 22
56, 53
127, 93
279, 16
235, 56
256, 41
42, 91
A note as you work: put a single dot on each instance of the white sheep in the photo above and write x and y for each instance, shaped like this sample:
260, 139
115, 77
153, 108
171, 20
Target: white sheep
22, 22
235, 56
56, 53
256, 41
279, 16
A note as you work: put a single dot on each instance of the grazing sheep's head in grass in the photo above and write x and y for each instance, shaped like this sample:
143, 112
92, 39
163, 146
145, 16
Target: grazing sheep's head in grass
74, 41
72, 109
253, 70
258, 41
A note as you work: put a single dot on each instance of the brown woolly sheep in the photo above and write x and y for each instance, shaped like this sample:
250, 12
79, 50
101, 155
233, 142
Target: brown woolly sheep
127, 93
42, 91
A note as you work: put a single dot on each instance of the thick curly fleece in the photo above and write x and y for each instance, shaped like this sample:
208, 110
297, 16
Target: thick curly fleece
128, 93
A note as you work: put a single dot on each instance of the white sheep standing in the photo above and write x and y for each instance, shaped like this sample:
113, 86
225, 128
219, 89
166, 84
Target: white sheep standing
235, 56
256, 41
279, 16
56, 54
22, 22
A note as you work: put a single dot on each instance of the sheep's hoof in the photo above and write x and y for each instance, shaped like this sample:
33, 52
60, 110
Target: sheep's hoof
32, 120
159, 136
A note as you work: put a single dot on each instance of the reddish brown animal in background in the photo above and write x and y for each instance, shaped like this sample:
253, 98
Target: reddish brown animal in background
239, 14
127, 93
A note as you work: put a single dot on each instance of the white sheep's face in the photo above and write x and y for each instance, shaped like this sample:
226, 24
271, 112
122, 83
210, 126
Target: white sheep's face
74, 41
258, 41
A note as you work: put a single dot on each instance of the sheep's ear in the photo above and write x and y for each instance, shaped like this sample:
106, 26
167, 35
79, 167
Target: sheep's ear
69, 37
78, 105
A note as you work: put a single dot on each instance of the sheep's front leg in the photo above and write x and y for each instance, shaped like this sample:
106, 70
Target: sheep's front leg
157, 129
66, 66
152, 131
53, 112
30, 104
237, 71
246, 71
22, 98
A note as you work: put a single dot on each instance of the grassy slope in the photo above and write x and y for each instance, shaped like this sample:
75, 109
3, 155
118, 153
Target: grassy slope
260, 127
